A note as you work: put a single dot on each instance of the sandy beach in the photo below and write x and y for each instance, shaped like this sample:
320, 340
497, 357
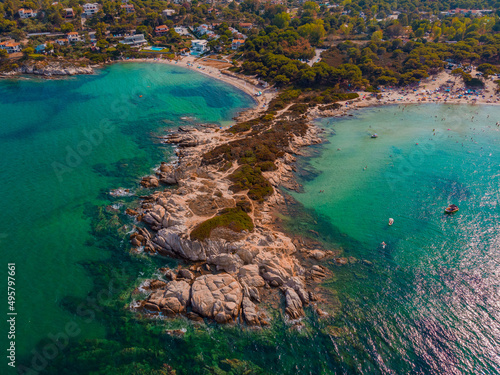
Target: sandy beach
441, 88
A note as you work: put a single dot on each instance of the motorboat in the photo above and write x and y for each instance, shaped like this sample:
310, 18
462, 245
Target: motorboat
391, 221
451, 209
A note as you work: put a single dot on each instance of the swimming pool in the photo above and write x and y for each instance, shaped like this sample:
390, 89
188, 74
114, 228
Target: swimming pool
157, 48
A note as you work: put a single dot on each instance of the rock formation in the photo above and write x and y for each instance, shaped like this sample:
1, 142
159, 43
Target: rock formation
233, 270
49, 68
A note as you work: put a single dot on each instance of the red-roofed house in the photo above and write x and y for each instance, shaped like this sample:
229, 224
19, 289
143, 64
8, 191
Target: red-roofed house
237, 43
26, 13
161, 30
129, 8
73, 37
10, 46
246, 25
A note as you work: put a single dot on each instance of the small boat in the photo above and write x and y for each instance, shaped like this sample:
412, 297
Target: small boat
374, 135
451, 209
391, 221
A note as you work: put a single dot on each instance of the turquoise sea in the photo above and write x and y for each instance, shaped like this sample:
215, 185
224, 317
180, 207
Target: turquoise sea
64, 144
427, 303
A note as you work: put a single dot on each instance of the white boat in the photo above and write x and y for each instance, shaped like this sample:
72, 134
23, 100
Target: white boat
391, 221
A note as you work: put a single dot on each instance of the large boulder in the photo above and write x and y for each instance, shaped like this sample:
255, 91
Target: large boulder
216, 297
171, 300
150, 182
167, 174
251, 313
154, 216
297, 284
276, 268
227, 262
293, 304
249, 274
168, 242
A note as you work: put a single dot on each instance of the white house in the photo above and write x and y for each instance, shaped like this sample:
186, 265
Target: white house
10, 46
168, 12
73, 37
134, 40
182, 30
68, 13
26, 13
199, 46
202, 29
90, 9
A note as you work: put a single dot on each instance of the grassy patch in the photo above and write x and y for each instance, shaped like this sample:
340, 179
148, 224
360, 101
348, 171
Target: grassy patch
251, 178
232, 218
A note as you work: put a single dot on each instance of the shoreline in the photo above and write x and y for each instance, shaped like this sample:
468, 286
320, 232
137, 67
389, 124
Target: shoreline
242, 83
256, 268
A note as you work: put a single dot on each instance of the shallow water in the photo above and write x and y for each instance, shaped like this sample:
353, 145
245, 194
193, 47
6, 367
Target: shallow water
430, 301
64, 144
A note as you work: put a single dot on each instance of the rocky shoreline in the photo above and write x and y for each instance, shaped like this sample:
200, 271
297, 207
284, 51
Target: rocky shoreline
231, 276
49, 68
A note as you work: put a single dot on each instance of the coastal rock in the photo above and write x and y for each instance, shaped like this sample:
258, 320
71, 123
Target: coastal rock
275, 268
167, 174
317, 254
150, 182
217, 297
185, 274
227, 262
154, 217
131, 212
136, 239
297, 284
171, 300
167, 241
184, 139
293, 304
251, 313
194, 317
249, 274
342, 261
52, 68
317, 273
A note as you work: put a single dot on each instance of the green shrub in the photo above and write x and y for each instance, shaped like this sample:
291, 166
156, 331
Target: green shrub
244, 205
234, 219
299, 108
267, 166
227, 166
251, 178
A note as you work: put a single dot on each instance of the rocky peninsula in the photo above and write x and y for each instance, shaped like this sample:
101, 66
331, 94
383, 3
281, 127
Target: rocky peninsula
47, 68
218, 216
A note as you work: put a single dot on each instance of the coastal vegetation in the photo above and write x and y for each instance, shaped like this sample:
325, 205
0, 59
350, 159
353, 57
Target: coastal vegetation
234, 219
363, 44
251, 179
